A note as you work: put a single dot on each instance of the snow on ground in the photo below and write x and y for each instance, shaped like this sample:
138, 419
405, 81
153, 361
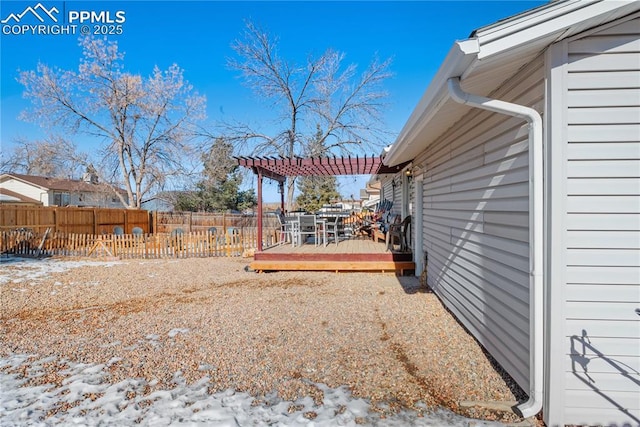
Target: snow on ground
18, 270
85, 395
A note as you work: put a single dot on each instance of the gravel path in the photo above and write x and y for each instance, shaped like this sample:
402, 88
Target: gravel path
380, 335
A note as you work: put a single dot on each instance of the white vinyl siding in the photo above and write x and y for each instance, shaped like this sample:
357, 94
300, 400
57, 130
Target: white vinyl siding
28, 190
393, 192
387, 193
599, 244
476, 223
397, 197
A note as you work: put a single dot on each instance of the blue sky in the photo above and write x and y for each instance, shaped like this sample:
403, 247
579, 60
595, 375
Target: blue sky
197, 36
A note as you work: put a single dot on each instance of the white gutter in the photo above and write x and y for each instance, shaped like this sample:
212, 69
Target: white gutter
532, 406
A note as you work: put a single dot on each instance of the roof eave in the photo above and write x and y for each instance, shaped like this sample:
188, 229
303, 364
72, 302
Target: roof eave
560, 18
532, 31
460, 57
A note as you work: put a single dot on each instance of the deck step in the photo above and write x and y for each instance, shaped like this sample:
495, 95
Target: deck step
399, 267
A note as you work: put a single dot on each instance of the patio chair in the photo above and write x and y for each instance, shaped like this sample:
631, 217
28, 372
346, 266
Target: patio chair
233, 235
303, 228
286, 229
137, 231
212, 234
118, 231
400, 231
334, 228
373, 223
321, 231
380, 231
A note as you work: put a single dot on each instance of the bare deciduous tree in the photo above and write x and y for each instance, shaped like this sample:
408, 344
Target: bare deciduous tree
54, 156
346, 106
144, 123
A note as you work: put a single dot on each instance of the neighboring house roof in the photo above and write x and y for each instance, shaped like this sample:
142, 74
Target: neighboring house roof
164, 200
492, 55
169, 196
60, 184
371, 201
8, 196
374, 186
372, 189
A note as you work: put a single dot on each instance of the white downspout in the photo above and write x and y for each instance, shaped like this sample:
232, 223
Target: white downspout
532, 406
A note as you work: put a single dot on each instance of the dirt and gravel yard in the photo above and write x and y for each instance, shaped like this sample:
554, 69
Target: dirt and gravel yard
385, 337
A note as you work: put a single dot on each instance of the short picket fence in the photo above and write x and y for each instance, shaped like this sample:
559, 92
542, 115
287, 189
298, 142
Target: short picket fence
230, 243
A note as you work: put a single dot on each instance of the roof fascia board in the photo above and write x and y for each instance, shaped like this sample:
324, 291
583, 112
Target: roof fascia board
633, 15
557, 19
521, 21
460, 57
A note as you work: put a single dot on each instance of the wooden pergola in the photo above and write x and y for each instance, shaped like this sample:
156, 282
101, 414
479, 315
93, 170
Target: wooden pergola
279, 168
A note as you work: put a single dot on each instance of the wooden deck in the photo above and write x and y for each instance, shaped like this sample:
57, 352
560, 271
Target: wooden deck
355, 254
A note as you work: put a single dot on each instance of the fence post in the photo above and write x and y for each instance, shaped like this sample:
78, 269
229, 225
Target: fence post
95, 222
56, 219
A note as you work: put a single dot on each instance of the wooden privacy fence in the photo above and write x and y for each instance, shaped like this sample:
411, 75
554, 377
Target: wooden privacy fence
105, 221
72, 219
166, 222
159, 245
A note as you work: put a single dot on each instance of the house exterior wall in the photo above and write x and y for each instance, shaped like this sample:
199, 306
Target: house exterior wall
476, 225
403, 197
74, 198
388, 192
395, 194
397, 197
408, 195
410, 209
28, 190
593, 237
98, 199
